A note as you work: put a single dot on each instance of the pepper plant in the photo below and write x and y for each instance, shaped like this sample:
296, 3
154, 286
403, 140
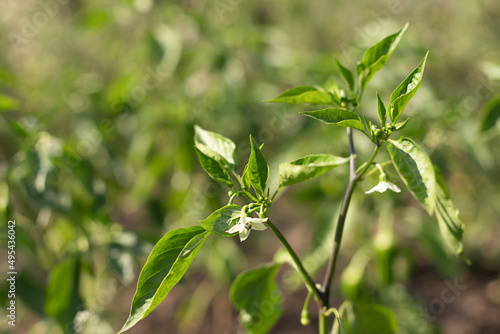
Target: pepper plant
256, 290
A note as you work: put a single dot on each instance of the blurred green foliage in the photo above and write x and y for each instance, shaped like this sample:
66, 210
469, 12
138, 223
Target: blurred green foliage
98, 100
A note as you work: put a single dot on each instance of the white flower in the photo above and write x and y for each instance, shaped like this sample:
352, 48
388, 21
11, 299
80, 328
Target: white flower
382, 186
246, 224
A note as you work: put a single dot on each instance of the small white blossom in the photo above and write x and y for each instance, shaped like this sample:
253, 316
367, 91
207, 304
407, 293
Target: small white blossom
383, 186
246, 224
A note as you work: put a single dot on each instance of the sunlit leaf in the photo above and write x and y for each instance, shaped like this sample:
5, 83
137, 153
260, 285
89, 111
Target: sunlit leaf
338, 117
415, 169
221, 145
401, 125
376, 57
258, 299
308, 167
167, 263
405, 91
303, 94
212, 165
222, 219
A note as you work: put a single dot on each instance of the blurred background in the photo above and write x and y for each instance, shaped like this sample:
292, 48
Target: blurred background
98, 100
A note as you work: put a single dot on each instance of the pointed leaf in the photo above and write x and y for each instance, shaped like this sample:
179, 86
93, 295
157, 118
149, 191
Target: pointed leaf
376, 57
212, 165
222, 220
406, 90
258, 171
401, 125
246, 178
167, 263
303, 94
382, 112
362, 318
415, 169
337, 117
220, 147
258, 299
346, 75
341, 326
450, 224
308, 167
368, 125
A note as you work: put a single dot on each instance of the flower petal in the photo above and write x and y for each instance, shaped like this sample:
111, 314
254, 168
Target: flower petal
372, 190
393, 187
383, 186
258, 220
244, 233
244, 220
258, 226
236, 228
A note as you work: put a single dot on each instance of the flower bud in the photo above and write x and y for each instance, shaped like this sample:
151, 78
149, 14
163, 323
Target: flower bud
305, 317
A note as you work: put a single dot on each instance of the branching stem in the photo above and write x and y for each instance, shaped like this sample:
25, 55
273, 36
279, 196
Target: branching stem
298, 264
353, 180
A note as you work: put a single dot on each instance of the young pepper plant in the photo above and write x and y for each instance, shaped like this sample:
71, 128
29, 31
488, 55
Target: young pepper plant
255, 293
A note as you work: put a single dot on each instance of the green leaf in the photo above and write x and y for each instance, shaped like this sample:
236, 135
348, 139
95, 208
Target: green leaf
382, 112
400, 125
361, 318
213, 166
63, 299
341, 326
258, 299
490, 115
303, 94
219, 147
406, 90
332, 87
221, 220
246, 178
450, 224
376, 57
257, 171
415, 168
167, 263
308, 167
369, 126
337, 117
346, 75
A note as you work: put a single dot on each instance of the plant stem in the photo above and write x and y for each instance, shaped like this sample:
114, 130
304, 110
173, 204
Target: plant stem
323, 318
300, 267
353, 180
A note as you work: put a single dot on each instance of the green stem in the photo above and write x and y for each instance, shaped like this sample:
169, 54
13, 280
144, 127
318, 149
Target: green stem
324, 326
298, 264
353, 180
373, 170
